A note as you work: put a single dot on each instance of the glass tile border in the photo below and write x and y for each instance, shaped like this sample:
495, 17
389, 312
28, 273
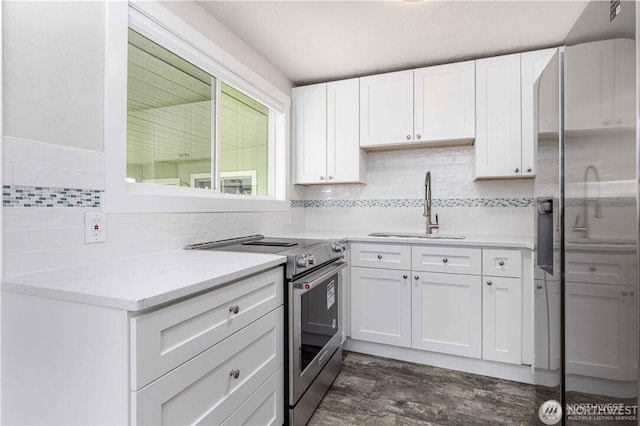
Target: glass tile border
43, 196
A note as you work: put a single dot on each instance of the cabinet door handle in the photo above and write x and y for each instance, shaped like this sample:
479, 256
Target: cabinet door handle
539, 286
235, 309
624, 293
321, 177
235, 373
489, 282
592, 268
445, 260
330, 177
501, 263
408, 137
517, 170
418, 136
417, 277
529, 169
633, 293
405, 276
379, 257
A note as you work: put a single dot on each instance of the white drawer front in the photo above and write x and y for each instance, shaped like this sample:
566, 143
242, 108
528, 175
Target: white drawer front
388, 256
264, 407
502, 263
596, 268
162, 340
447, 260
202, 391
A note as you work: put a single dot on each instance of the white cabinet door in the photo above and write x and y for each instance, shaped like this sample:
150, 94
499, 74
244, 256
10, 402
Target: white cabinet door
310, 103
597, 330
386, 109
381, 306
264, 407
498, 115
588, 85
444, 102
532, 65
447, 314
501, 319
547, 324
345, 159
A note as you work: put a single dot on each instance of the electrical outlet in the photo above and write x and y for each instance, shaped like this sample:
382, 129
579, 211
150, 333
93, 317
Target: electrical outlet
95, 230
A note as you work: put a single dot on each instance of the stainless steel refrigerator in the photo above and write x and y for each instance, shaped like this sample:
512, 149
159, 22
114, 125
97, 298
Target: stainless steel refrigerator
586, 192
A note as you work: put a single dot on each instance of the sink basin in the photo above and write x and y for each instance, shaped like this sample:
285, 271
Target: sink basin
417, 235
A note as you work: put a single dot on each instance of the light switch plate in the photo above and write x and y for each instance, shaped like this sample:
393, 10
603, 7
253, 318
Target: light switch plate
95, 228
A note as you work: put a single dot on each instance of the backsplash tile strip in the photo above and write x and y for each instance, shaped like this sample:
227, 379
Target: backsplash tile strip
42, 196
413, 203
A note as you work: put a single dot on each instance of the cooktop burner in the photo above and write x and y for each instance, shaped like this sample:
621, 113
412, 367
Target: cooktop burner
271, 243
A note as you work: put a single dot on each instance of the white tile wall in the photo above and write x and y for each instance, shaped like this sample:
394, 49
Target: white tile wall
401, 174
38, 239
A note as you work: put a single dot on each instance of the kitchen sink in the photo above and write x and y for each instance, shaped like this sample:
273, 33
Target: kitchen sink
418, 235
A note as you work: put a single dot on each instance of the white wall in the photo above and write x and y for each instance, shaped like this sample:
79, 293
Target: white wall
53, 140
397, 178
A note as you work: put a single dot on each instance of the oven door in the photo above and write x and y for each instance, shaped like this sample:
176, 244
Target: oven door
315, 329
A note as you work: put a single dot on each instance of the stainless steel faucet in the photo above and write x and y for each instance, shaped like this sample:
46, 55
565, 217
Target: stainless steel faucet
584, 227
427, 205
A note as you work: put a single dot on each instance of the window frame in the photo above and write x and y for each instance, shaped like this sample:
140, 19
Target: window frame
160, 25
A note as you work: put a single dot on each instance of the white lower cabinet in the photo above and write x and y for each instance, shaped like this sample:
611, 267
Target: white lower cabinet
264, 407
210, 387
381, 306
502, 319
438, 300
447, 314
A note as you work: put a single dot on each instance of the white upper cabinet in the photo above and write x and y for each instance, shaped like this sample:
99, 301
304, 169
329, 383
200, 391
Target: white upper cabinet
444, 103
386, 109
498, 115
327, 133
506, 113
311, 133
433, 105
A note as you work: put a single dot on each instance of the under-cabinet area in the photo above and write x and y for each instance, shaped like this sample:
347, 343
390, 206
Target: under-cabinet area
211, 357
466, 301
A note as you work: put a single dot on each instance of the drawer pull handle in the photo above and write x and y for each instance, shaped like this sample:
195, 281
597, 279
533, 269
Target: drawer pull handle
624, 293
632, 293
592, 268
379, 256
489, 282
235, 309
501, 263
235, 373
417, 277
539, 286
405, 276
445, 260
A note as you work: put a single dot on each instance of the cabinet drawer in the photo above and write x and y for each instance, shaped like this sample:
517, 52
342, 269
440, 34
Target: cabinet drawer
203, 390
502, 263
447, 259
388, 256
264, 407
162, 340
596, 268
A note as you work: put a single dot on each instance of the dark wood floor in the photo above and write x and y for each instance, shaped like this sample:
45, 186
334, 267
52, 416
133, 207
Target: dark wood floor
378, 391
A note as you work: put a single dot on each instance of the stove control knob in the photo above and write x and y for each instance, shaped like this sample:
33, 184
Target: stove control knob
338, 247
302, 261
311, 258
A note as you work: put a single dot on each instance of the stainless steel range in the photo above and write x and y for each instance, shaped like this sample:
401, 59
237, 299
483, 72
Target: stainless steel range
314, 277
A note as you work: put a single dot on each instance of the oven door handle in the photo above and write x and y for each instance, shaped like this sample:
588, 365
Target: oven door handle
309, 282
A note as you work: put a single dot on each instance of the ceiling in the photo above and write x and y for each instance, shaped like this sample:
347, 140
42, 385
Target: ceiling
314, 41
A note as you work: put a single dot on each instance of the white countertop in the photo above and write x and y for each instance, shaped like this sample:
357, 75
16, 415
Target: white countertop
474, 240
142, 282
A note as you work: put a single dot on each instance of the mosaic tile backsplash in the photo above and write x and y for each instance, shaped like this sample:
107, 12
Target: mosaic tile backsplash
42, 196
412, 203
